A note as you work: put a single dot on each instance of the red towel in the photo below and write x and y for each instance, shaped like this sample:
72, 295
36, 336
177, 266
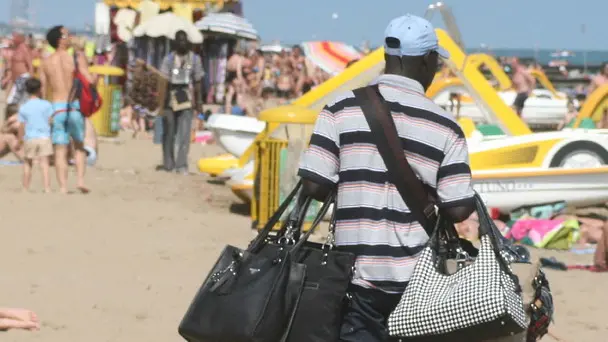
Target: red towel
590, 268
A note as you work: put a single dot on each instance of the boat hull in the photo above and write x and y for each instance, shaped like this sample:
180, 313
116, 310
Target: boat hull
509, 189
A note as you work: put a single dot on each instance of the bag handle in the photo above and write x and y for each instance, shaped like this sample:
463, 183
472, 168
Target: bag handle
260, 239
292, 226
383, 129
487, 227
326, 204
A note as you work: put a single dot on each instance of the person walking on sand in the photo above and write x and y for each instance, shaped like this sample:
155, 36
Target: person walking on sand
57, 73
524, 83
35, 134
183, 70
19, 69
372, 220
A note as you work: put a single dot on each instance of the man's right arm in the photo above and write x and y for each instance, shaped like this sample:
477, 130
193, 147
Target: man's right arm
454, 188
8, 70
319, 165
164, 67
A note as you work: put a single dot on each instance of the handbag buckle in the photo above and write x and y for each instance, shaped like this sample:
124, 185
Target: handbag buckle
284, 240
288, 238
328, 245
462, 257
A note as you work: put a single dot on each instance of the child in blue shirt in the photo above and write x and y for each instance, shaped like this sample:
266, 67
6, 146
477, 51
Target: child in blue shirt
35, 133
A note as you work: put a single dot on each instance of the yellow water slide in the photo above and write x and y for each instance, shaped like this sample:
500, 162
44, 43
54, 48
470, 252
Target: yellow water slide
595, 106
544, 81
478, 59
481, 90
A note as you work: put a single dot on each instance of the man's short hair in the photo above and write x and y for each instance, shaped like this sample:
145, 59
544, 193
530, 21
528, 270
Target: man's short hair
53, 36
11, 109
32, 86
181, 32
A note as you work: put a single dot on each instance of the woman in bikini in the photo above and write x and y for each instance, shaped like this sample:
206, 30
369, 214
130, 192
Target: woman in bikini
285, 84
234, 76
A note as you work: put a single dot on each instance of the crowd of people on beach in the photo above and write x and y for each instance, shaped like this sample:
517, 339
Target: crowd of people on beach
257, 80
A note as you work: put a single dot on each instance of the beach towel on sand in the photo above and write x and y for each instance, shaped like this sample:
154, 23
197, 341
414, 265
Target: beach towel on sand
548, 234
543, 211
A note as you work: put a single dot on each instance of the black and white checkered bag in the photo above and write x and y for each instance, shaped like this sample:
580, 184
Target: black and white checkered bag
480, 301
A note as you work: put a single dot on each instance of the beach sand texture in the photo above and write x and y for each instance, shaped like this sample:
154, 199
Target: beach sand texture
123, 263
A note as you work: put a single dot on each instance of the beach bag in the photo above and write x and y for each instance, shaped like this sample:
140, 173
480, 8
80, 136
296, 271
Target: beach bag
85, 92
248, 296
329, 272
481, 301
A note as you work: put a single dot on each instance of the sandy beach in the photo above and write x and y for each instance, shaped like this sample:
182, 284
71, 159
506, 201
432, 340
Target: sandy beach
122, 263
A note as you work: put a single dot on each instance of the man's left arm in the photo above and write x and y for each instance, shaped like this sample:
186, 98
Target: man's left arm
198, 74
319, 165
83, 66
531, 80
28, 60
454, 180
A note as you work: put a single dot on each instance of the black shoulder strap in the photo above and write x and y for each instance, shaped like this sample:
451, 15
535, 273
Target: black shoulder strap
383, 129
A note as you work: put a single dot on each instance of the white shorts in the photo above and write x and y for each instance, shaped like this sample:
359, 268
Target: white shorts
17, 93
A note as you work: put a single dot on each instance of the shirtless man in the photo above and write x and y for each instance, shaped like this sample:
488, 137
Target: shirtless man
57, 72
524, 83
600, 79
19, 69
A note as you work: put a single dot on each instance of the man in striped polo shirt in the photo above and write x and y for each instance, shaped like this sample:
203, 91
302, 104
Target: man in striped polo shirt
372, 219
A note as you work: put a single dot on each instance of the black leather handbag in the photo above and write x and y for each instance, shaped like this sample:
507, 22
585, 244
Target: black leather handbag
248, 296
328, 273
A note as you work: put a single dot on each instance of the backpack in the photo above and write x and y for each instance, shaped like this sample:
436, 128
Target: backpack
85, 92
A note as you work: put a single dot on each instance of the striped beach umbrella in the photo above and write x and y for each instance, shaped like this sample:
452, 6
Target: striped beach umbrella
331, 57
227, 23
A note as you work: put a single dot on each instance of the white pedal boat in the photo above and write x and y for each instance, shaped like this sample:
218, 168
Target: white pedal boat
541, 109
234, 133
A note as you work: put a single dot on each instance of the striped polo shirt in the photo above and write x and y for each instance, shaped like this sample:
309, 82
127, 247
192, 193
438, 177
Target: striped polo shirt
372, 220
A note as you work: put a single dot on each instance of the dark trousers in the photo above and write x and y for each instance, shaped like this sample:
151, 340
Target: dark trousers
176, 130
366, 317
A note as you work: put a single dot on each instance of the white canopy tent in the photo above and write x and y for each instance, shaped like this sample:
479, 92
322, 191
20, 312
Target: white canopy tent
166, 25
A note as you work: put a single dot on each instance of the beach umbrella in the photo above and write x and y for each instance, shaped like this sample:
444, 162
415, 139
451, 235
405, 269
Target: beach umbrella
331, 57
227, 23
166, 25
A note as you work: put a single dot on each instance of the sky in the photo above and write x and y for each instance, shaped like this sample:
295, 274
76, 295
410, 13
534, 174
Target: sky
529, 24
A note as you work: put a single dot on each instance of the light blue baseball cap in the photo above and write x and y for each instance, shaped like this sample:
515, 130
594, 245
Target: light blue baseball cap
416, 37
